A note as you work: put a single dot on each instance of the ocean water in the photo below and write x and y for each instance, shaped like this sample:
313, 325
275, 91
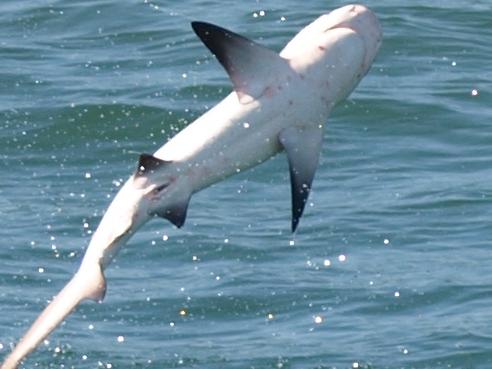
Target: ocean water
391, 266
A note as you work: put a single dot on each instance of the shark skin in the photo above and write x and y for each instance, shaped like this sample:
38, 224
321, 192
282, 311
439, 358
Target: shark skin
280, 103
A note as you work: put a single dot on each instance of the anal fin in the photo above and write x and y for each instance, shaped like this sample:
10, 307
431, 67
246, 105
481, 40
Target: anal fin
302, 145
176, 212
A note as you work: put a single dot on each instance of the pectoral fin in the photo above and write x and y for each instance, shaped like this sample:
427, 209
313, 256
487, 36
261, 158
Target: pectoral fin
251, 67
303, 146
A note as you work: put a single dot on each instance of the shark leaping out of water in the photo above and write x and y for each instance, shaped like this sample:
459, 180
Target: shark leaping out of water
280, 103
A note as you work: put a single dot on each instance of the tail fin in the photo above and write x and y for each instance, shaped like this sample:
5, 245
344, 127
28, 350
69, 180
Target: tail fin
85, 284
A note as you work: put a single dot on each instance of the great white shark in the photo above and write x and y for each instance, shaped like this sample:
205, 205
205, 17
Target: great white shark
280, 102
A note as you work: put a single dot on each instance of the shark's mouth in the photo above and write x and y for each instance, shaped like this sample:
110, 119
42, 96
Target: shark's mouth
341, 26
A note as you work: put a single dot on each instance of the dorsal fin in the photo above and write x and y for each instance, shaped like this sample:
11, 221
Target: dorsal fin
148, 164
251, 67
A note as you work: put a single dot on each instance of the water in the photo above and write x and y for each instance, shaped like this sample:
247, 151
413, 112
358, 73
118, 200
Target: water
391, 264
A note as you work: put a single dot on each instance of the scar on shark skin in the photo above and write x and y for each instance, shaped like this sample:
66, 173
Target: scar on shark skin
285, 98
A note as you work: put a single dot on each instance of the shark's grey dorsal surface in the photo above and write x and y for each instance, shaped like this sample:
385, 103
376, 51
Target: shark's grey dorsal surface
280, 102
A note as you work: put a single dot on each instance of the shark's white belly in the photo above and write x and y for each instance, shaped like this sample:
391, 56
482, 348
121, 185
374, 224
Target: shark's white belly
219, 143
233, 137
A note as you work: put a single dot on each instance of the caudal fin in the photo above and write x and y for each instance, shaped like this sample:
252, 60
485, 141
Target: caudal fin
83, 285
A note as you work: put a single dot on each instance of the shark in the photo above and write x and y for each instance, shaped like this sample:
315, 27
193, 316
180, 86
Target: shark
280, 103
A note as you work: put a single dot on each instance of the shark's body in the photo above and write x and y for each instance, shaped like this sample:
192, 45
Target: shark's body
280, 102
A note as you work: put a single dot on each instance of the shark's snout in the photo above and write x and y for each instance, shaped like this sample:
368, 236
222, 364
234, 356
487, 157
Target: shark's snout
362, 21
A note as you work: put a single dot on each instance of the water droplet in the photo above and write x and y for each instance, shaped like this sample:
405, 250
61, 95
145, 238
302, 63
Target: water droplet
342, 258
327, 262
88, 175
120, 339
318, 319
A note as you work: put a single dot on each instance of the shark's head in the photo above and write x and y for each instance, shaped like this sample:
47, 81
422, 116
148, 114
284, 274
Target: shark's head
336, 50
362, 21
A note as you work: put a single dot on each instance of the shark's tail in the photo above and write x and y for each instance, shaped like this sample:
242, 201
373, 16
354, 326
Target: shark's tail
83, 285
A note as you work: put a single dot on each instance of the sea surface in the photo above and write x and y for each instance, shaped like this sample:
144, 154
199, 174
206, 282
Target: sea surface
391, 266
